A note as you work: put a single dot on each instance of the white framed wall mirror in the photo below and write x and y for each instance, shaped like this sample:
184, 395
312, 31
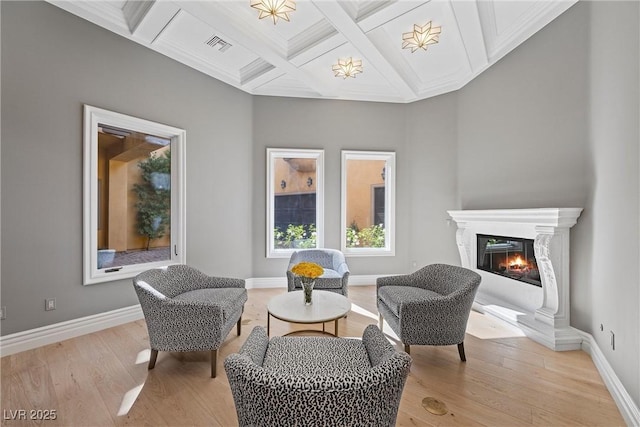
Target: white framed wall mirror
368, 203
134, 195
295, 200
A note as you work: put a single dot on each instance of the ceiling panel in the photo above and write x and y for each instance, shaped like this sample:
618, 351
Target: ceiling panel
285, 85
204, 44
444, 60
511, 14
294, 58
369, 81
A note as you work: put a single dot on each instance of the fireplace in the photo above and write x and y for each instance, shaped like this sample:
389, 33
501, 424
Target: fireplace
510, 257
513, 249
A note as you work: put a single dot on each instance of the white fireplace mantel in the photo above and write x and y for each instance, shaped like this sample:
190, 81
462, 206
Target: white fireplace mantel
542, 313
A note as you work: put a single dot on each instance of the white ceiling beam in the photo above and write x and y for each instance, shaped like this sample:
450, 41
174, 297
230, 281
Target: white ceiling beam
135, 11
249, 38
155, 20
100, 13
341, 20
468, 22
388, 13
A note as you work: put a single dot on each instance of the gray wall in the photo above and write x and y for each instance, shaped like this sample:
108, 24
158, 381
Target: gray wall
433, 183
555, 124
53, 63
522, 137
614, 189
425, 182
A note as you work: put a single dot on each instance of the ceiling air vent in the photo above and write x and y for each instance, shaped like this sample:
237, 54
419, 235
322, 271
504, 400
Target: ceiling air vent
217, 42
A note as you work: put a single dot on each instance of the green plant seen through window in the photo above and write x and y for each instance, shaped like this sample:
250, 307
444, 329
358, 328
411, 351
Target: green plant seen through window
295, 236
369, 237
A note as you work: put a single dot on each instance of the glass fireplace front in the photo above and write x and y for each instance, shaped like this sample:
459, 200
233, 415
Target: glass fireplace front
510, 257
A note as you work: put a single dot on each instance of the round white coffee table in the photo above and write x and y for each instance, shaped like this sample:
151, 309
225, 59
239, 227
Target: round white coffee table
326, 307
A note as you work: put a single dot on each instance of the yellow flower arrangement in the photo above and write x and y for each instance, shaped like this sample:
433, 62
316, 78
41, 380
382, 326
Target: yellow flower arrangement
308, 270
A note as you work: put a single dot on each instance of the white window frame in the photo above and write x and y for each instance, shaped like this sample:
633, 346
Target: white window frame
92, 117
280, 153
389, 203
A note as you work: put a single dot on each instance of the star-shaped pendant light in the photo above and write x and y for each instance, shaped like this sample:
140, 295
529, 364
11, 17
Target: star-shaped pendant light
347, 67
276, 9
421, 37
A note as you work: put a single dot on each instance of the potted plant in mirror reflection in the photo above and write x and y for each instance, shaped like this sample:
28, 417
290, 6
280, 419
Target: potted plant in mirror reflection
153, 196
308, 272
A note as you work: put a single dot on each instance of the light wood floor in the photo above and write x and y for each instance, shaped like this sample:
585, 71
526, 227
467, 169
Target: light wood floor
101, 379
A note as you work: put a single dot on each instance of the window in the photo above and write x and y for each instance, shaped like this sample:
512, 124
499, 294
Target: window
295, 201
134, 189
368, 203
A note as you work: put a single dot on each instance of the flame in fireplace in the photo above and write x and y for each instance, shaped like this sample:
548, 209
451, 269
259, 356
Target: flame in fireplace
517, 263
519, 267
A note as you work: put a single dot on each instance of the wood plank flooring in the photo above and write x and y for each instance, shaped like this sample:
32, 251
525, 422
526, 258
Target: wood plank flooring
102, 379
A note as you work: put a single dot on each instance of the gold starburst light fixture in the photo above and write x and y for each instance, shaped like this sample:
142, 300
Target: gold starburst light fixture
276, 9
347, 67
421, 37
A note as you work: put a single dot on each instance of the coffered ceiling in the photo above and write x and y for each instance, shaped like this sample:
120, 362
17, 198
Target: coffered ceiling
226, 40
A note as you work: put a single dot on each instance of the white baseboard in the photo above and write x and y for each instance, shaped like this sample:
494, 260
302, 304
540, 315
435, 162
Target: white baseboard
34, 338
364, 280
266, 282
628, 408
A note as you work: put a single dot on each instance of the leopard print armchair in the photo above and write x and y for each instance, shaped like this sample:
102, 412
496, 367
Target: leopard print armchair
430, 306
186, 310
317, 381
336, 271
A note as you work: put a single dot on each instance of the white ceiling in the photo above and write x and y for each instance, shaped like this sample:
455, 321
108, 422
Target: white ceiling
295, 58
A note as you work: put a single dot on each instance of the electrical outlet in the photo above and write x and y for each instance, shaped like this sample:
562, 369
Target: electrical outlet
50, 304
3, 312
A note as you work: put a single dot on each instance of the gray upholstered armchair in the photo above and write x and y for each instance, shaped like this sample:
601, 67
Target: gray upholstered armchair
186, 310
317, 381
336, 271
430, 306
